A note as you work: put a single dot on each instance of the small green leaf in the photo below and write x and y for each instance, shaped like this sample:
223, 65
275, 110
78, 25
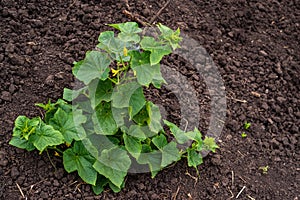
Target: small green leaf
46, 135
78, 158
153, 159
21, 143
133, 145
137, 132
70, 95
170, 154
95, 65
194, 158
169, 35
154, 117
136, 102
103, 119
129, 31
247, 125
210, 144
69, 124
145, 72
101, 182
179, 135
113, 164
24, 127
160, 141
157, 49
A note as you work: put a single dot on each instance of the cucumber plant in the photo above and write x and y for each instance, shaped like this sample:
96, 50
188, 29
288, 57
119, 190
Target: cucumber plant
107, 124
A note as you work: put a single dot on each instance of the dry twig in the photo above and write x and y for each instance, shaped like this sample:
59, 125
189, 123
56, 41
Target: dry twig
159, 12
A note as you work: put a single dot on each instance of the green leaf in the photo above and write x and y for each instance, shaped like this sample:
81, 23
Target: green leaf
209, 144
136, 102
145, 72
78, 158
157, 49
95, 65
114, 46
100, 91
69, 124
194, 158
153, 159
179, 135
160, 141
122, 94
127, 27
129, 31
113, 164
21, 143
24, 127
137, 132
133, 145
46, 135
170, 154
101, 182
169, 35
154, 117
70, 95
103, 119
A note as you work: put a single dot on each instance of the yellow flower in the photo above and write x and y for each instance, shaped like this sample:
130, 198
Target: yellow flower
115, 72
125, 51
56, 154
67, 144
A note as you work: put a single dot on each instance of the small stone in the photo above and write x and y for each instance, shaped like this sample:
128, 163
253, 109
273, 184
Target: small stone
3, 162
49, 80
12, 88
281, 99
216, 160
55, 183
6, 96
14, 172
265, 106
262, 52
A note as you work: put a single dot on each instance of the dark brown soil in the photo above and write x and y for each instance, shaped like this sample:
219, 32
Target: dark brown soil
256, 46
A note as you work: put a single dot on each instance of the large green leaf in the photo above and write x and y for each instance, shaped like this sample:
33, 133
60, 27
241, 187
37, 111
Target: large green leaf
122, 94
154, 117
157, 49
78, 158
100, 91
46, 135
69, 124
95, 65
113, 164
103, 119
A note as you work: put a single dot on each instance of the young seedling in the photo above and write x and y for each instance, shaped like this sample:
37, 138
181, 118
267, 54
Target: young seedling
244, 135
247, 125
264, 169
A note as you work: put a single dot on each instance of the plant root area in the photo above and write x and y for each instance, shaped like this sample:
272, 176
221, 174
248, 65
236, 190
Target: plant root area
254, 44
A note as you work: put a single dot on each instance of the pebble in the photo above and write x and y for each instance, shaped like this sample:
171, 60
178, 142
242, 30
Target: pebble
6, 96
55, 183
14, 172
